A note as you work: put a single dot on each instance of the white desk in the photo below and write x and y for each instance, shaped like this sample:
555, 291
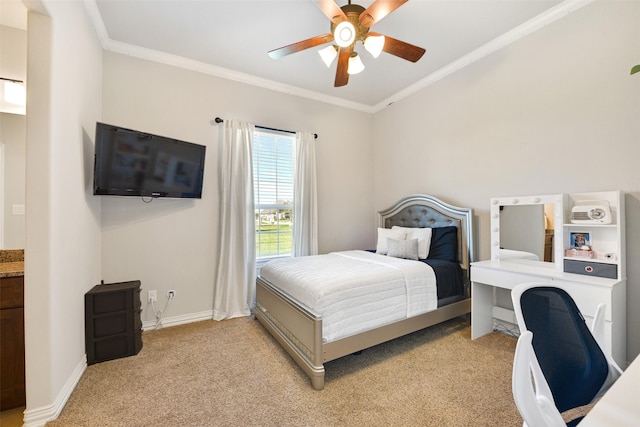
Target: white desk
620, 406
588, 292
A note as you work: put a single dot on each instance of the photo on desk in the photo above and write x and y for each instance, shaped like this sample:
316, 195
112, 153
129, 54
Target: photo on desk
580, 239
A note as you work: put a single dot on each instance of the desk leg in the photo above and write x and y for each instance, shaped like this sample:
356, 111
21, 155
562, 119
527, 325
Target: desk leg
481, 309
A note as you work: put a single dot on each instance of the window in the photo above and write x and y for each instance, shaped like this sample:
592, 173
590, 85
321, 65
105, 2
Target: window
273, 161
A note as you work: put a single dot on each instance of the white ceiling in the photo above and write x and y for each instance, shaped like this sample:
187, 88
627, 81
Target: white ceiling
231, 39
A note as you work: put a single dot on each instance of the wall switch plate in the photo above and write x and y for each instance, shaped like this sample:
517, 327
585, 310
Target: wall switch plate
18, 209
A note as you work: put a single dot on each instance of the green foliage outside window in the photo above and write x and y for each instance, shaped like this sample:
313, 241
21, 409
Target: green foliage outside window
274, 232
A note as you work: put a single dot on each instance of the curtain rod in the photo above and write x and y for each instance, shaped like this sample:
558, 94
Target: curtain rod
11, 80
219, 120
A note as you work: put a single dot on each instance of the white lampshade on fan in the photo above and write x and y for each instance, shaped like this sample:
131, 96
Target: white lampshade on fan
355, 64
328, 54
344, 34
374, 45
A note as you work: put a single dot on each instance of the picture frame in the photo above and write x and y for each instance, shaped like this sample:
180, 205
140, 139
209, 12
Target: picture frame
580, 239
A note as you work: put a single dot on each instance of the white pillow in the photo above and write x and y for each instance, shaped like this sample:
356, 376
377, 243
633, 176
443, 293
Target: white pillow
422, 234
387, 233
407, 249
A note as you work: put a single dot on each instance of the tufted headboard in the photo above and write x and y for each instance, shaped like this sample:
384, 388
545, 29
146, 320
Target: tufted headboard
421, 210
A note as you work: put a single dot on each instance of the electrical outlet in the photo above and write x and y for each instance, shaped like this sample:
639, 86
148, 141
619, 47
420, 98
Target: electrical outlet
152, 296
171, 294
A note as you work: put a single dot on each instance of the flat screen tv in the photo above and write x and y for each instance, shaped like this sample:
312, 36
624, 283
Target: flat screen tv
133, 163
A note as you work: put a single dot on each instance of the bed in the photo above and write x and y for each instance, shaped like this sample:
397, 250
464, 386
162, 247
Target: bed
299, 328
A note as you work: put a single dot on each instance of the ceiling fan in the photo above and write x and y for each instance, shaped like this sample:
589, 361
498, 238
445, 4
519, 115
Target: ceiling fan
349, 24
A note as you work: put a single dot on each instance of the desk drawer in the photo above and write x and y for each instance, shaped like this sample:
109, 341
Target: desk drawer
609, 271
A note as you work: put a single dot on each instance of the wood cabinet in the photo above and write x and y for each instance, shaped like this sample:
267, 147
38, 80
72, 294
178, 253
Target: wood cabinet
113, 327
548, 246
12, 364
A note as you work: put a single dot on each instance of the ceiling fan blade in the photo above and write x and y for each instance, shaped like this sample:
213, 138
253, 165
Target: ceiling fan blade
331, 9
301, 45
342, 76
401, 49
378, 10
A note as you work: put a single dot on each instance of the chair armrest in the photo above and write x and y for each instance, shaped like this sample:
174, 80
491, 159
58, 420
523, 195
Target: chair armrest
597, 330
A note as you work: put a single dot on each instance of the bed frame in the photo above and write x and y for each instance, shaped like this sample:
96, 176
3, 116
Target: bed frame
299, 330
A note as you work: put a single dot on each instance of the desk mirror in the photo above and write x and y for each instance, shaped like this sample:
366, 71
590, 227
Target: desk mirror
527, 229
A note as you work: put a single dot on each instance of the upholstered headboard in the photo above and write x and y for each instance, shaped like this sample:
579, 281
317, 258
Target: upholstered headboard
421, 210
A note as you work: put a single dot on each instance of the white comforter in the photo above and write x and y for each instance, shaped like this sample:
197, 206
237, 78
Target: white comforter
355, 291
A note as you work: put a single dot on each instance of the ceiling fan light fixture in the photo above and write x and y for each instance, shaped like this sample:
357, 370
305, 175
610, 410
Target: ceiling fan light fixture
374, 45
344, 34
355, 64
349, 24
328, 54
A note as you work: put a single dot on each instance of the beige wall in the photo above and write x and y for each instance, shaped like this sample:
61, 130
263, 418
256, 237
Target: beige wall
62, 252
13, 64
171, 243
13, 137
13, 56
555, 112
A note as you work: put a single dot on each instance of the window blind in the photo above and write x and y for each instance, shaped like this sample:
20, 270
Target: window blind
273, 163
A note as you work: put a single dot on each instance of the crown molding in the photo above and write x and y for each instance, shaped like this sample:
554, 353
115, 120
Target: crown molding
534, 24
201, 67
213, 70
96, 20
500, 42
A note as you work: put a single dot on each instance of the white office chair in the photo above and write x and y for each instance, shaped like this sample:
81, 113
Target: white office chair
531, 392
560, 352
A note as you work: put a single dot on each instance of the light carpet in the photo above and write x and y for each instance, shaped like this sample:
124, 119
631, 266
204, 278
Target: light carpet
233, 373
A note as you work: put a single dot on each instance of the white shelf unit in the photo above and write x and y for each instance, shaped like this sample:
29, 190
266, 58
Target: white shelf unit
607, 241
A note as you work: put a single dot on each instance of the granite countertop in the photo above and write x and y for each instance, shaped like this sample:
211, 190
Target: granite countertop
11, 263
12, 269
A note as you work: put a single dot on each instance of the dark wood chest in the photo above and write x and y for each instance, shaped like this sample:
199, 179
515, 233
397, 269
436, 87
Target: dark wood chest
113, 327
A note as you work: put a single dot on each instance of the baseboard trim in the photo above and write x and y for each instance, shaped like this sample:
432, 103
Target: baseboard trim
149, 325
40, 416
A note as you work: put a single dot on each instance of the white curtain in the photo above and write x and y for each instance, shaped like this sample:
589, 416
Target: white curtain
235, 284
305, 210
